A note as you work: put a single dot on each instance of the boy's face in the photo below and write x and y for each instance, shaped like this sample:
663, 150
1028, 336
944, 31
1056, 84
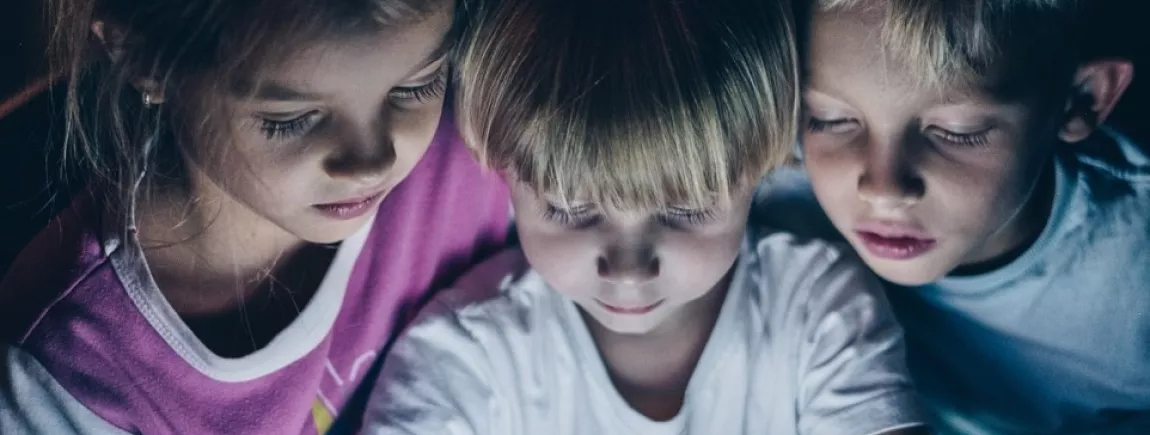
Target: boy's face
919, 181
633, 272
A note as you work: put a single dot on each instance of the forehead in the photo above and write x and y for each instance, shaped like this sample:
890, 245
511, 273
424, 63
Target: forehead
359, 62
846, 43
848, 57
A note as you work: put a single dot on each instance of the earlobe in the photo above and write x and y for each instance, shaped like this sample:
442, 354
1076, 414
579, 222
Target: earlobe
1098, 87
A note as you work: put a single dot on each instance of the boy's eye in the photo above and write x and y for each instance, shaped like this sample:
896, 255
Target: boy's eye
841, 125
682, 217
975, 139
288, 128
579, 217
429, 91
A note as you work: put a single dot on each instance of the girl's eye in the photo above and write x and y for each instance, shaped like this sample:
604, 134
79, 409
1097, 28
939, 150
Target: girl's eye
579, 217
816, 125
423, 93
286, 129
976, 139
684, 217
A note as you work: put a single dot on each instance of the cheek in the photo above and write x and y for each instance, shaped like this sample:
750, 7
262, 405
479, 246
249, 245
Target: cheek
413, 129
834, 181
979, 198
698, 261
565, 259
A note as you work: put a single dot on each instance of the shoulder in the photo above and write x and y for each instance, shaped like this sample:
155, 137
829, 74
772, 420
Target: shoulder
33, 401
1111, 166
1111, 151
785, 255
496, 301
808, 278
69, 253
1111, 197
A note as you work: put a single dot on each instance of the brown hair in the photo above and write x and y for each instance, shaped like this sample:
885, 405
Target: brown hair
1015, 47
632, 103
191, 50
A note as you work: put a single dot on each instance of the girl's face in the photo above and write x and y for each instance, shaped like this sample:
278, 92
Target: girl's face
321, 140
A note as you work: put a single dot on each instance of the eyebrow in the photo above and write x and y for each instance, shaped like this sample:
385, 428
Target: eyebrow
281, 92
276, 91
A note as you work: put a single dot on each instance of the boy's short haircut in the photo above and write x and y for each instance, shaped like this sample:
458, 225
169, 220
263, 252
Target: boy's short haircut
633, 104
1016, 48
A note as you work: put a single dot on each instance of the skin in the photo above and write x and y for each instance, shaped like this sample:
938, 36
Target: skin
677, 258
960, 166
340, 121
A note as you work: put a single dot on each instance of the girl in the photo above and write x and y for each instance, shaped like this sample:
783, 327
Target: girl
274, 190
640, 304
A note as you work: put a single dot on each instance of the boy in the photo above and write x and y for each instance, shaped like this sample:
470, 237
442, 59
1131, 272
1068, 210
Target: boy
631, 134
950, 143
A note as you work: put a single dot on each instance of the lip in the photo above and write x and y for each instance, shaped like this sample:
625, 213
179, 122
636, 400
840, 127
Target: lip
894, 240
615, 309
351, 208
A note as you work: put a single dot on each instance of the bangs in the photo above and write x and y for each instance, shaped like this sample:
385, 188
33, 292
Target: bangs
628, 154
975, 43
667, 103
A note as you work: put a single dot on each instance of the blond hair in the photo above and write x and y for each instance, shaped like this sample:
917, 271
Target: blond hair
1005, 44
630, 104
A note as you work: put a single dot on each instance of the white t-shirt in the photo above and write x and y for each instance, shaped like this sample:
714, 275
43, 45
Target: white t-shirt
804, 344
1055, 342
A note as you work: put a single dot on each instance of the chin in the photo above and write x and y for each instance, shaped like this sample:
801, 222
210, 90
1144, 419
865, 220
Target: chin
327, 233
627, 328
907, 274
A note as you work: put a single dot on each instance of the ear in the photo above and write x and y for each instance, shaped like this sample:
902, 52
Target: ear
111, 37
1098, 86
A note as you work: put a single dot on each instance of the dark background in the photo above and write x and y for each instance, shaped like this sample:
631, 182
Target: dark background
27, 124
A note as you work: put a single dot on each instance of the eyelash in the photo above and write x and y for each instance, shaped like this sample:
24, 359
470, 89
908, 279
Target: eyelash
685, 218
582, 218
578, 218
423, 93
290, 128
817, 125
967, 140
298, 126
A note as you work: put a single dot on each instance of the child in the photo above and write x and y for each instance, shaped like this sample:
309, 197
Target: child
950, 143
274, 191
639, 303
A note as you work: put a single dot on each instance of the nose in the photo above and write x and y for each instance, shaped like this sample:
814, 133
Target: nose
629, 263
363, 155
889, 179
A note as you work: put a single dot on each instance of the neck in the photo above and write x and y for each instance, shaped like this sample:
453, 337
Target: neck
206, 250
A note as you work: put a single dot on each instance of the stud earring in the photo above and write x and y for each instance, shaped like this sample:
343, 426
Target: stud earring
147, 99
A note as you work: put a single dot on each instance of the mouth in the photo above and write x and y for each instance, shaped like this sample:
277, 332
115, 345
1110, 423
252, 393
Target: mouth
351, 208
629, 310
894, 241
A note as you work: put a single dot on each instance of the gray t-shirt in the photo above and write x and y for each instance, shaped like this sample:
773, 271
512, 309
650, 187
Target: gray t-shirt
1055, 342
804, 344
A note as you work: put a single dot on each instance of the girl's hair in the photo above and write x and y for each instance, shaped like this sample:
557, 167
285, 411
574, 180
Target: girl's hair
194, 52
1018, 48
634, 104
